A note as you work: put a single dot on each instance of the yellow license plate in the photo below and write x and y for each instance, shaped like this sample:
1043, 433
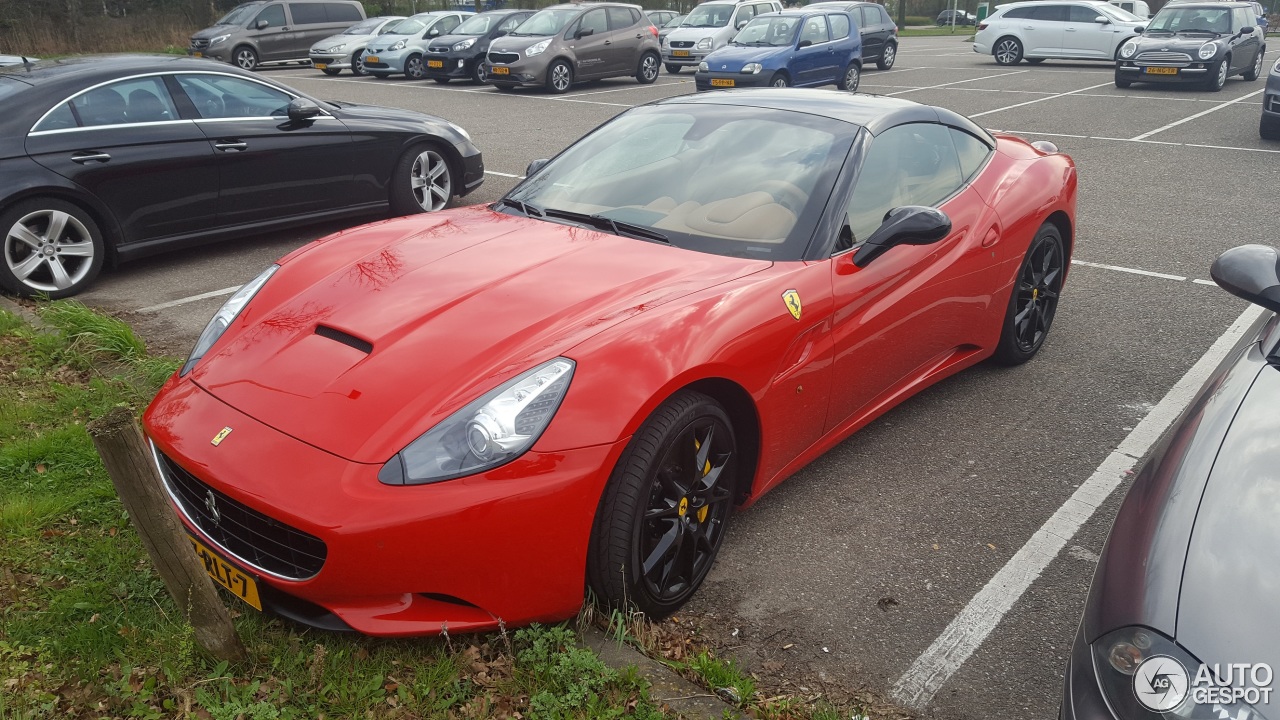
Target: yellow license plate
226, 575
320, 66
500, 71
1161, 71
721, 83
197, 54
372, 58
679, 53
435, 63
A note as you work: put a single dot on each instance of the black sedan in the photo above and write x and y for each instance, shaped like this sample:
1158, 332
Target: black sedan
460, 54
107, 159
1201, 43
1181, 619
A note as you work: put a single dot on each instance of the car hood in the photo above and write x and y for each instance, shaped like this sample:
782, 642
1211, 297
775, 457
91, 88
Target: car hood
341, 39
1173, 43
1231, 580
693, 33
215, 31
365, 341
731, 58
447, 41
517, 43
383, 42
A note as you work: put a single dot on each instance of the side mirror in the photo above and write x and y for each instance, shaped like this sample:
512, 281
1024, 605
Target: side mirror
1246, 30
1101, 20
805, 43
1140, 29
906, 225
262, 24
1251, 272
535, 166
741, 24
583, 32
499, 34
303, 109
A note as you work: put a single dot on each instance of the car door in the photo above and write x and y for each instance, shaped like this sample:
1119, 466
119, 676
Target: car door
626, 31
590, 50
877, 349
1244, 47
1084, 37
274, 38
127, 144
815, 55
843, 25
269, 167
872, 39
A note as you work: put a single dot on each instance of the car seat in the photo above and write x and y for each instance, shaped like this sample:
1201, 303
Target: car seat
103, 106
144, 106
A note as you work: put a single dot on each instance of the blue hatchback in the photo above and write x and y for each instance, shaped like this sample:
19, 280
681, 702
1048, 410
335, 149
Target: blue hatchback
801, 48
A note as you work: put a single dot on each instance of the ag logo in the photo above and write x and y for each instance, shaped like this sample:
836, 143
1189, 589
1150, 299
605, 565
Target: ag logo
222, 435
792, 300
1160, 683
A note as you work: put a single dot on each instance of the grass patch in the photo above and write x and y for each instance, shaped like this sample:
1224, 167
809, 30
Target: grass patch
87, 629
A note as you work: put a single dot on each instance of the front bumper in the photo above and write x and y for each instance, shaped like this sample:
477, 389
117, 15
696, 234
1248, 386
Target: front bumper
717, 80
525, 71
1081, 695
389, 61
472, 170
332, 61
219, 53
1271, 96
453, 65
693, 58
469, 554
1185, 72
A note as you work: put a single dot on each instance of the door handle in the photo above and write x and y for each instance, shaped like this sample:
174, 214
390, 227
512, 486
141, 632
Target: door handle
608, 42
229, 145
639, 35
993, 236
83, 158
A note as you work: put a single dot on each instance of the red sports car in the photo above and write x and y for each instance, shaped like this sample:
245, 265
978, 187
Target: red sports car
448, 421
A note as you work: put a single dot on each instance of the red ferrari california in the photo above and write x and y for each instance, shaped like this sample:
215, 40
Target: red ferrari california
466, 418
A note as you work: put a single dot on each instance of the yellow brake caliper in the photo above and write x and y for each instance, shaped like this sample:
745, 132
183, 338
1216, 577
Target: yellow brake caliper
706, 470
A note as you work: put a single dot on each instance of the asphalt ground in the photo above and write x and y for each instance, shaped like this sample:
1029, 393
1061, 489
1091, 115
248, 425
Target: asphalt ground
847, 573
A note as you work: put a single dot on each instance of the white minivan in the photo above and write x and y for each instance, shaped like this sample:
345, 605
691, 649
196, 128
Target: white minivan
710, 26
1137, 7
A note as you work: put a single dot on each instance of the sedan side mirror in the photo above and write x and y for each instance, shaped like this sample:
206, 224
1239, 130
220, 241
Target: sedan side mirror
263, 24
906, 225
1139, 29
535, 166
583, 32
1101, 20
1246, 30
1251, 272
301, 109
499, 34
805, 43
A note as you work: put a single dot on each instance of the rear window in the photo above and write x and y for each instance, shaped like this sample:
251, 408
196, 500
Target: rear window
9, 86
308, 13
839, 26
1019, 13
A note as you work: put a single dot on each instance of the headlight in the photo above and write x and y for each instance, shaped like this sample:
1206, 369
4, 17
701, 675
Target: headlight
222, 319
219, 39
495, 429
752, 68
704, 43
704, 67
538, 48
1173, 683
1276, 67
337, 48
665, 41
1208, 50
464, 45
1129, 49
398, 46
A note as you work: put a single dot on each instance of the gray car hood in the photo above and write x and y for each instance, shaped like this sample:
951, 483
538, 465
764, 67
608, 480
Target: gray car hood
341, 39
517, 43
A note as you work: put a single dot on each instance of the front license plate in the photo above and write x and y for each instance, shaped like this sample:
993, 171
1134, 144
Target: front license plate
320, 66
197, 54
226, 575
679, 53
371, 58
1161, 71
501, 71
435, 63
715, 82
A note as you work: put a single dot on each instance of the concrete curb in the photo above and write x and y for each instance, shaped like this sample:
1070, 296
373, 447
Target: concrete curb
30, 317
679, 695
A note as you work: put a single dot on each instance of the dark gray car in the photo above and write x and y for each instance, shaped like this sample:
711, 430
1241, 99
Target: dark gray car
1189, 581
267, 31
1269, 125
879, 31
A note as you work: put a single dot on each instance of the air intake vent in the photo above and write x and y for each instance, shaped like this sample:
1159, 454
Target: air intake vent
345, 338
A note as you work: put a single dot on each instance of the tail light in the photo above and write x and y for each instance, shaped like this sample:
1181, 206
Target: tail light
895, 29
653, 30
982, 26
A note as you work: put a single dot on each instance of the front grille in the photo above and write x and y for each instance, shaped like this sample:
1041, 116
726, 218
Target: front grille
248, 535
1275, 103
503, 58
682, 43
1156, 56
438, 50
199, 44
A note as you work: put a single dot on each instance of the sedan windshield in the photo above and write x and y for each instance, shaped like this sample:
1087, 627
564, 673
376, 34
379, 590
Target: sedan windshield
709, 16
476, 25
365, 27
239, 16
674, 22
772, 31
547, 22
1192, 20
722, 179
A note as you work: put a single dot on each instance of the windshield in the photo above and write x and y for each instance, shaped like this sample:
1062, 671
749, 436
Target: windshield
709, 16
769, 31
1118, 13
239, 16
1192, 19
365, 27
476, 25
413, 25
547, 22
674, 22
722, 179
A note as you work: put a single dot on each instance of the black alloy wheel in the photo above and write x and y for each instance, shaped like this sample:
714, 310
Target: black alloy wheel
664, 513
1034, 300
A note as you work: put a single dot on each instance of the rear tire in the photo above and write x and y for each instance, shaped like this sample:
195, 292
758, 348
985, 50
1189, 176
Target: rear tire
1007, 51
674, 69
504, 88
441, 81
647, 72
1253, 72
887, 57
852, 76
1034, 61
1034, 299
330, 72
380, 76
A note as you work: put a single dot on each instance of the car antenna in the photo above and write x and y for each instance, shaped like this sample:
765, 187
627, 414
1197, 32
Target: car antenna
26, 64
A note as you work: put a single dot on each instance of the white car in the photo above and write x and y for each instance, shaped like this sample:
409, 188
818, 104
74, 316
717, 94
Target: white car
708, 27
1038, 30
343, 51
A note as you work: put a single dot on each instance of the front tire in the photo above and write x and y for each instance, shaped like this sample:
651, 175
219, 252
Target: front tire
1218, 74
1034, 300
887, 57
413, 68
441, 81
852, 76
780, 80
663, 515
357, 63
1034, 61
330, 72
1269, 128
674, 69
559, 77
647, 71
1253, 72
1007, 51
477, 73
1122, 82
245, 58
48, 247
422, 181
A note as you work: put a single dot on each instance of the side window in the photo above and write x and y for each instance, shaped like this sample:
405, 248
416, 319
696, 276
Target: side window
595, 21
1051, 13
971, 151
619, 18
1082, 14
1128, 7
223, 96
273, 14
446, 25
130, 101
884, 15
341, 12
815, 30
306, 13
839, 26
1021, 13
1242, 18
60, 119
912, 164
744, 14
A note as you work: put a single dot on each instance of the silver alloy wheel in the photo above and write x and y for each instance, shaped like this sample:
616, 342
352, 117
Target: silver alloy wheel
246, 58
478, 73
1257, 64
649, 68
1007, 52
48, 250
1222, 72
431, 181
560, 77
890, 54
851, 78
779, 81
357, 63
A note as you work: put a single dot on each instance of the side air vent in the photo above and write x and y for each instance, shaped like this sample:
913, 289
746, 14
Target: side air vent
347, 339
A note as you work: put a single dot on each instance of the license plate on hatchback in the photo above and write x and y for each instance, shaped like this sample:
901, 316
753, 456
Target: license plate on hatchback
371, 58
435, 63
227, 575
197, 54
320, 66
679, 53
716, 82
500, 71
1161, 71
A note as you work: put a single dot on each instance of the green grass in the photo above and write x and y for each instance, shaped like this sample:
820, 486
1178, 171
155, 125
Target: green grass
88, 630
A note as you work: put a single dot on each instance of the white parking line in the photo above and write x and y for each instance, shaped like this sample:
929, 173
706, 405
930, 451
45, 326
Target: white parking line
1033, 133
974, 623
1135, 271
475, 91
1201, 114
1040, 100
190, 299
505, 175
959, 82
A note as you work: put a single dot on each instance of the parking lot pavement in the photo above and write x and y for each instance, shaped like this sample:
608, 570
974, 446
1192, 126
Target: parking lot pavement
861, 561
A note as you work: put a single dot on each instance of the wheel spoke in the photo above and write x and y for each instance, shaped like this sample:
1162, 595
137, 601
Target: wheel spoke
81, 249
439, 192
673, 555
23, 234
24, 269
57, 225
60, 278
417, 181
436, 170
663, 548
671, 511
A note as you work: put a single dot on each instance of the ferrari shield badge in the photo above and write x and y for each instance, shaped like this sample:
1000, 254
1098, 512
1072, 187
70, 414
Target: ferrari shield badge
222, 435
792, 300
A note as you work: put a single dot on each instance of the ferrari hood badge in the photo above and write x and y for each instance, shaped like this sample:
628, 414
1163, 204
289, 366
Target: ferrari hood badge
223, 433
791, 299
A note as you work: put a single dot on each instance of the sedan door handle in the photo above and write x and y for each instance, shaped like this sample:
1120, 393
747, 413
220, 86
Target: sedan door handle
229, 145
1071, 29
608, 42
83, 158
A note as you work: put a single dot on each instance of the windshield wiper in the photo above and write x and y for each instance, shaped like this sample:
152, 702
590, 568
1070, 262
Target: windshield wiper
1198, 30
600, 222
522, 206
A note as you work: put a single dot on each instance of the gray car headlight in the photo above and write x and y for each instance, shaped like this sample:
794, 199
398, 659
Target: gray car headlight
398, 46
752, 68
458, 47
337, 48
1207, 51
704, 43
537, 48
1129, 49
219, 39
222, 319
1146, 675
494, 430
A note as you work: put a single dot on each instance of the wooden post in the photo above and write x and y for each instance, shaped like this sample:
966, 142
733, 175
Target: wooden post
133, 472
